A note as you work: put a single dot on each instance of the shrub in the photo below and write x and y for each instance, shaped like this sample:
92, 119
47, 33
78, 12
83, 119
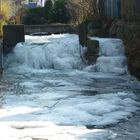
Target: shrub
48, 9
34, 16
36, 11
60, 13
33, 19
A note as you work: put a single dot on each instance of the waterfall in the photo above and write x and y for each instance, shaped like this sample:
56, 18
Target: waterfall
43, 52
111, 56
63, 52
48, 92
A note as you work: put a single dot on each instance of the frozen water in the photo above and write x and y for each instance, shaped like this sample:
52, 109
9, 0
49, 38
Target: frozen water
112, 64
111, 56
49, 131
110, 47
48, 93
70, 108
56, 51
63, 52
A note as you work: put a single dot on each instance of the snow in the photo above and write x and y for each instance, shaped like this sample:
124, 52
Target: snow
47, 130
50, 115
68, 107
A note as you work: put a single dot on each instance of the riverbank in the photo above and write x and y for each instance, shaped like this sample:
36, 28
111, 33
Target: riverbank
129, 32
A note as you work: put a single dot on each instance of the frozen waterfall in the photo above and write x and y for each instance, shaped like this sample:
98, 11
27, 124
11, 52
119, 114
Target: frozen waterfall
54, 51
48, 92
111, 56
63, 52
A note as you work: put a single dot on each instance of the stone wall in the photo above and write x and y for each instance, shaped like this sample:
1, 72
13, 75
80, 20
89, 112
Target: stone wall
60, 28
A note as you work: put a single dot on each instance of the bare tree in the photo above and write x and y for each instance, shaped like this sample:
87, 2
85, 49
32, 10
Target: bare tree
130, 9
81, 10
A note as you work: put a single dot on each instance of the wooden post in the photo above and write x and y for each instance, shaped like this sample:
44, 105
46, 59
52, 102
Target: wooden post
12, 34
83, 34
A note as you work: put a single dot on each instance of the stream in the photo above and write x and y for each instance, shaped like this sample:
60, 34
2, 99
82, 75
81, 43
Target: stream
48, 93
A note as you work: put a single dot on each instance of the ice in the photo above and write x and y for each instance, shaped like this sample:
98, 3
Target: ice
94, 111
71, 108
110, 46
51, 94
112, 64
56, 51
47, 130
111, 56
16, 110
64, 52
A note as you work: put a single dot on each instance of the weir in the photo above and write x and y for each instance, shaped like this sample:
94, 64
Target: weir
49, 29
63, 52
13, 34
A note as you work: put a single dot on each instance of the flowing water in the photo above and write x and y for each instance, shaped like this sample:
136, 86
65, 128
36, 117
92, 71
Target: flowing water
47, 92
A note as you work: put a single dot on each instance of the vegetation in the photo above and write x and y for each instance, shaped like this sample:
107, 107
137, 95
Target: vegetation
50, 13
4, 13
60, 12
5, 8
83, 10
10, 12
34, 16
34, 19
48, 9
